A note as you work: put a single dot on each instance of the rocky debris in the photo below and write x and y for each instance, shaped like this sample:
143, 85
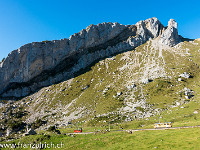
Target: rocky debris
39, 64
2, 105
105, 90
119, 93
195, 112
145, 80
185, 75
129, 87
29, 132
8, 131
178, 103
179, 79
170, 36
187, 92
86, 87
137, 109
128, 119
187, 51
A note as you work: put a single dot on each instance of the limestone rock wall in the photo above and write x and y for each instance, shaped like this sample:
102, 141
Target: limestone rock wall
39, 64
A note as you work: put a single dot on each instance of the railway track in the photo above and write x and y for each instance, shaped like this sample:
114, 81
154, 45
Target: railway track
134, 130
184, 127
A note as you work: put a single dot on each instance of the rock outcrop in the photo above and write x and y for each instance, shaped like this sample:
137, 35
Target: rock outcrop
30, 132
39, 64
170, 36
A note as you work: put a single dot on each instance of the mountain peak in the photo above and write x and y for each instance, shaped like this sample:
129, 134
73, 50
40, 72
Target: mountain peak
170, 36
172, 23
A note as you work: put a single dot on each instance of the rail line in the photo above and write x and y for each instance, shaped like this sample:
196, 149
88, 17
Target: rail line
184, 127
134, 130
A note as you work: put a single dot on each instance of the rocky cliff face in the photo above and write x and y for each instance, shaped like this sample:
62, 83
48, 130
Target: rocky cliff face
41, 64
170, 35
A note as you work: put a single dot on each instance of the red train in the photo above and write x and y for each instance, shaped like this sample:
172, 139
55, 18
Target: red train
78, 131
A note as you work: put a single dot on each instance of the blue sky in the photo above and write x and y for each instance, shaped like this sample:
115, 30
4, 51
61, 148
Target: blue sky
25, 21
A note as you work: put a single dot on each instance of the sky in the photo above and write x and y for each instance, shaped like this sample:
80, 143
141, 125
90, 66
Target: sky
26, 21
